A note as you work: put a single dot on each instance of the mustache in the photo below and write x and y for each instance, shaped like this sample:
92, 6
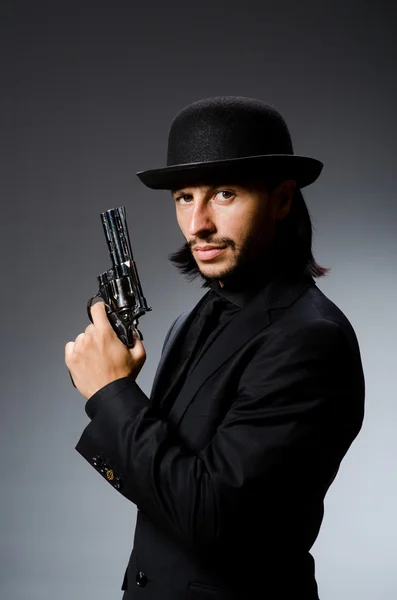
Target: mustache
213, 242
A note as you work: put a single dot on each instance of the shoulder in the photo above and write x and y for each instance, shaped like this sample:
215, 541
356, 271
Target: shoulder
305, 345
315, 314
304, 320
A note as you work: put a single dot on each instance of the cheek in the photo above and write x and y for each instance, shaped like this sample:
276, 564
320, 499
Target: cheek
233, 223
252, 231
181, 223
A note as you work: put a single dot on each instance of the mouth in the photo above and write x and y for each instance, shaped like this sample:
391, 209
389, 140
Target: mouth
208, 252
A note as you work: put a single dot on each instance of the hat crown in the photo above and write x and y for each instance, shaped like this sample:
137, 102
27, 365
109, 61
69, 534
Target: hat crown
226, 127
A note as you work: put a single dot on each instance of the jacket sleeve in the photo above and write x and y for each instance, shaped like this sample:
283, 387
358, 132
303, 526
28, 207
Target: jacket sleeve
297, 409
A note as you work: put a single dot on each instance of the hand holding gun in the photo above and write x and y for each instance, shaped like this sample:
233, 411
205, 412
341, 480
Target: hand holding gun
119, 287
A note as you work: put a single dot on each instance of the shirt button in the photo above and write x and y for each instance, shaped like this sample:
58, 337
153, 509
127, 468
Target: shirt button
141, 579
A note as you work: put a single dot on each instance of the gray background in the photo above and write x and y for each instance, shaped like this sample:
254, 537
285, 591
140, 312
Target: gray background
88, 93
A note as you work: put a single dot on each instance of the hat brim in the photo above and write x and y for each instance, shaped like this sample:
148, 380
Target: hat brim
303, 169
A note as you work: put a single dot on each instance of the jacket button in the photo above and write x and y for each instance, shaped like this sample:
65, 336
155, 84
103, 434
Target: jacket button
97, 461
141, 579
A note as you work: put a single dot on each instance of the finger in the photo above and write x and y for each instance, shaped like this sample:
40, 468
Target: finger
78, 341
99, 316
68, 351
138, 351
89, 329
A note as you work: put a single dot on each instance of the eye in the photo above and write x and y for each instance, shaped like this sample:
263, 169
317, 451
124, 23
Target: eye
224, 195
183, 199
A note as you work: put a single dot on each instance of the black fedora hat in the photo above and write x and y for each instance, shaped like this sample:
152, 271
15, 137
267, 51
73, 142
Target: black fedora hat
228, 137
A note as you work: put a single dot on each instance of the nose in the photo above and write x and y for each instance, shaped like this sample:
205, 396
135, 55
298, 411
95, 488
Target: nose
201, 221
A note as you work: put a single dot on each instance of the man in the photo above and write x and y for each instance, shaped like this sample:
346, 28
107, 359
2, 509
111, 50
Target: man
259, 392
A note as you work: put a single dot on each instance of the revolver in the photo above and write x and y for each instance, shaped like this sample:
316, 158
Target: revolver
119, 287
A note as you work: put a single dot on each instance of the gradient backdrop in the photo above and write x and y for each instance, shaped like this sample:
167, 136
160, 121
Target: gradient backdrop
89, 90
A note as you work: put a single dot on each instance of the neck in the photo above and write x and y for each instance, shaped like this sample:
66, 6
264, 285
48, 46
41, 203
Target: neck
249, 275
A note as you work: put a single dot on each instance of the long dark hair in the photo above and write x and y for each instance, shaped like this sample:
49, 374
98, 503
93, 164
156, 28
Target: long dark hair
291, 250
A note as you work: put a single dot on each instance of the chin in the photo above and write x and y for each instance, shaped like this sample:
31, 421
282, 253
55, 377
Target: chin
216, 271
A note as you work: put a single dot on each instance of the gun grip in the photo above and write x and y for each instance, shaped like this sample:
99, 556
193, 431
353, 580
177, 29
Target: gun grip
115, 322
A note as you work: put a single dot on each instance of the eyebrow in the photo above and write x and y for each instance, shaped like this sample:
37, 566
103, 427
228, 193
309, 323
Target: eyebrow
211, 188
179, 191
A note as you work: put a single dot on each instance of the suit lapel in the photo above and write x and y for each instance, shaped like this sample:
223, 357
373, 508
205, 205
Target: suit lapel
180, 326
255, 317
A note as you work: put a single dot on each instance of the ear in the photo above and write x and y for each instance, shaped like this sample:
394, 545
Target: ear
283, 196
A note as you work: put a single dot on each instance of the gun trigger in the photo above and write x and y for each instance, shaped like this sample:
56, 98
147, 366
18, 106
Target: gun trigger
139, 334
89, 304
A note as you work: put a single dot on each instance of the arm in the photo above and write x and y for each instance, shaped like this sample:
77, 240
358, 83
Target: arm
293, 415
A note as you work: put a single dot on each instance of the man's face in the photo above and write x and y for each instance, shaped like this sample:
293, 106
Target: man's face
227, 226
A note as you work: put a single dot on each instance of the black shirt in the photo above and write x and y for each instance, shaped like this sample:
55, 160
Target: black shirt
209, 317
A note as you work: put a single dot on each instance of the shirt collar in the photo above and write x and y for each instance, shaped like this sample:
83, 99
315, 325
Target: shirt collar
244, 285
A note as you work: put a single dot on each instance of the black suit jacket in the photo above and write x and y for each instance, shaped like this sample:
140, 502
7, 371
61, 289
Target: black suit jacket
230, 488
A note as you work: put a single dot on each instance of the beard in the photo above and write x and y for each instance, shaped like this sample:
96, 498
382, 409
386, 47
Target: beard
252, 258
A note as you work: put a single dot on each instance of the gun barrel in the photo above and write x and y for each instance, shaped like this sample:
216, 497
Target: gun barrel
116, 233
